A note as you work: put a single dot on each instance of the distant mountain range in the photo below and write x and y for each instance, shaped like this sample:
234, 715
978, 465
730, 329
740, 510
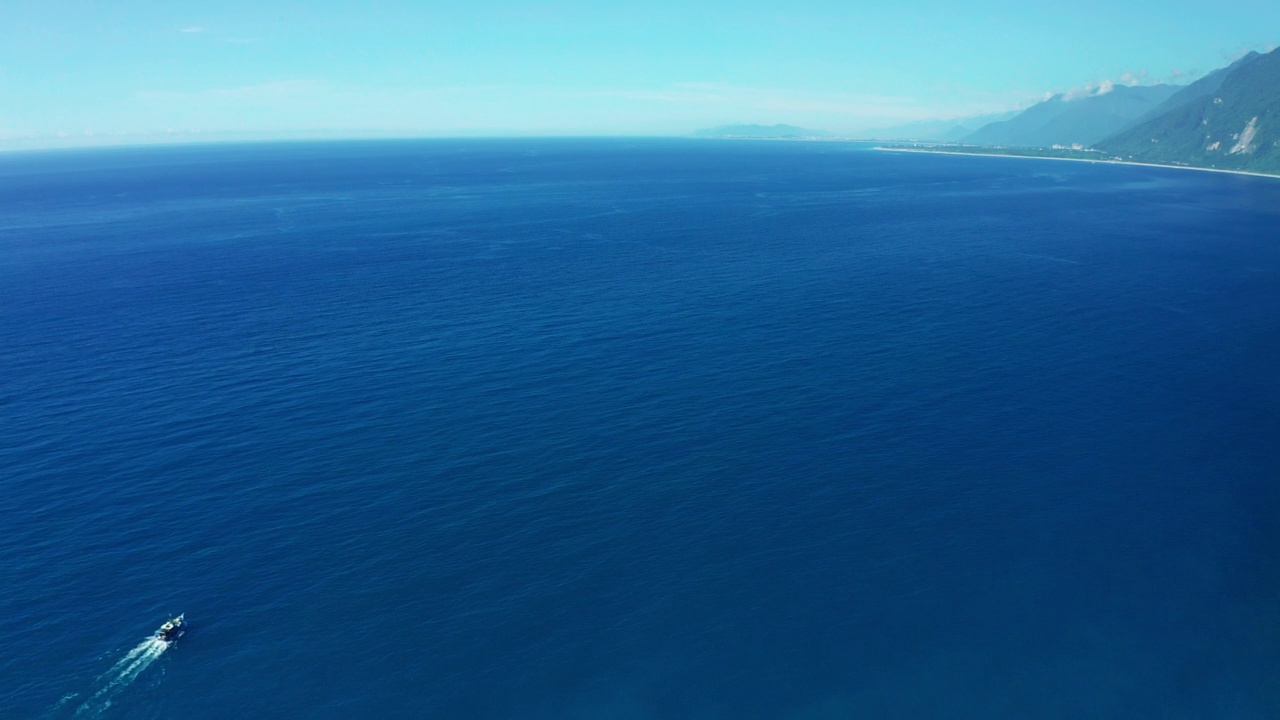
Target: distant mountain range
1227, 119
790, 132
1064, 121
1230, 122
936, 130
1195, 90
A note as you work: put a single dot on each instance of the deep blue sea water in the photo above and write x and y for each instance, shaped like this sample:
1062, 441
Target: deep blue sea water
636, 429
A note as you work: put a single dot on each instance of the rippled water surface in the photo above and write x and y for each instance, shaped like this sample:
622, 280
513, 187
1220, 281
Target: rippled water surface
636, 429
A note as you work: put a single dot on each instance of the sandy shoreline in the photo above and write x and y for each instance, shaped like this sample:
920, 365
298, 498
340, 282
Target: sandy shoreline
1084, 160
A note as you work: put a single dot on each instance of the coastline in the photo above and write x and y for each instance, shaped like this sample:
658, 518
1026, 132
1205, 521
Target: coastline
1273, 176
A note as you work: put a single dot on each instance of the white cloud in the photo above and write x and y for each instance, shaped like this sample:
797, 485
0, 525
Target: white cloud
693, 94
302, 107
1130, 78
1090, 90
1133, 79
313, 105
275, 91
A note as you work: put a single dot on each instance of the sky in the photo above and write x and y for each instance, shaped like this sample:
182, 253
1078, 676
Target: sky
126, 71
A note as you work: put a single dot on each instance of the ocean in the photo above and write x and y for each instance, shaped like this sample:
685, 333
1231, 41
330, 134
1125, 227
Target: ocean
608, 428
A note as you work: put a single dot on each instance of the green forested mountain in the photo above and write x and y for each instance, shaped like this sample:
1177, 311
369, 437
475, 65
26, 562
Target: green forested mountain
1236, 126
1196, 90
1082, 121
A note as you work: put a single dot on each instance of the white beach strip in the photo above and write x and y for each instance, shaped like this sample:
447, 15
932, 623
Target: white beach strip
1085, 160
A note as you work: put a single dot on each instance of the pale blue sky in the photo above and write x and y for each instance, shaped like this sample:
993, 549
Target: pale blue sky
138, 70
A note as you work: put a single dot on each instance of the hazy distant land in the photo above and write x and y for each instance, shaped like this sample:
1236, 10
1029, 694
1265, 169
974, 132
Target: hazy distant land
772, 132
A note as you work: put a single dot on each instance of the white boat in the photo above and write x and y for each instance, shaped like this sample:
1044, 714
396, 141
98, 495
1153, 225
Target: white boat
172, 629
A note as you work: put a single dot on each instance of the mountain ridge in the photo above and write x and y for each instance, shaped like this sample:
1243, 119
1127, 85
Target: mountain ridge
1235, 126
1066, 122
937, 130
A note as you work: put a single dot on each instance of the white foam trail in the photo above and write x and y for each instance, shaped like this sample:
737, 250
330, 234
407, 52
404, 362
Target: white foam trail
123, 673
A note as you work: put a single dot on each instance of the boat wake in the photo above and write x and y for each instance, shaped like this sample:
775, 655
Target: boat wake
122, 674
